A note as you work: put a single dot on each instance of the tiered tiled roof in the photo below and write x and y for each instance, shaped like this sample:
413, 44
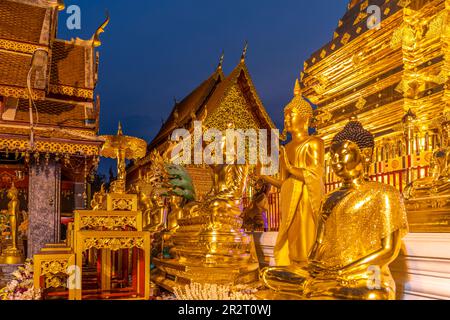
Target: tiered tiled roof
53, 113
14, 69
209, 95
21, 21
68, 66
191, 103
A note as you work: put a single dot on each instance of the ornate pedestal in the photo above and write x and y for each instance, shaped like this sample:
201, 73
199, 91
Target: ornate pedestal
207, 255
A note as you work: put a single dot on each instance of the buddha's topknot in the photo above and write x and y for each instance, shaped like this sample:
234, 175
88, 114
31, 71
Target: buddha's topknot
354, 131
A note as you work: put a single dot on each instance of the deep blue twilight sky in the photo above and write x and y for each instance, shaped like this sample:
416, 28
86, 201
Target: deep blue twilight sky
155, 50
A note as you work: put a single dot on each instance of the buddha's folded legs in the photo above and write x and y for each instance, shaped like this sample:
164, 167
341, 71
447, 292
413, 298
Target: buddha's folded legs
354, 290
297, 281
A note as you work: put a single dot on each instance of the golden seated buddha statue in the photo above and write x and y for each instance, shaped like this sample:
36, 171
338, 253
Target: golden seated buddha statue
359, 234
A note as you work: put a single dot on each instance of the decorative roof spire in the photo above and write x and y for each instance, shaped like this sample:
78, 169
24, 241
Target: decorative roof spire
119, 130
244, 52
297, 89
221, 60
96, 37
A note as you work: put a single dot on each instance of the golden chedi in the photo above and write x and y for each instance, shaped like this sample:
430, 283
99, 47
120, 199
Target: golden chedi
360, 229
301, 183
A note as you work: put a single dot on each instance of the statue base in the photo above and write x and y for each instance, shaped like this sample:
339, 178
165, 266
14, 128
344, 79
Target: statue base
12, 256
170, 273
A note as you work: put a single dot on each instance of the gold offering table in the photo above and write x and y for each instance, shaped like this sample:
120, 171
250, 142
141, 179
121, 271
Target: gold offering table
110, 241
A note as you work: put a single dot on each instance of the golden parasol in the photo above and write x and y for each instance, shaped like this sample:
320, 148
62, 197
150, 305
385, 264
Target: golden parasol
122, 147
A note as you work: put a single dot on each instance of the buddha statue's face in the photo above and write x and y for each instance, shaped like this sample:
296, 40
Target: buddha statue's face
347, 160
293, 120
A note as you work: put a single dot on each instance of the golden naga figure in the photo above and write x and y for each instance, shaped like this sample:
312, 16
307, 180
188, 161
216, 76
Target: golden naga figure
301, 183
360, 229
12, 255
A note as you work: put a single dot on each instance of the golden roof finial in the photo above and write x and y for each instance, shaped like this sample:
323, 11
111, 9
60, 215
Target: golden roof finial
297, 88
119, 130
244, 52
60, 5
221, 60
96, 37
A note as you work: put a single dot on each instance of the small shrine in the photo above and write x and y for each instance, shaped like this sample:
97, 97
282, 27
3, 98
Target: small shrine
107, 253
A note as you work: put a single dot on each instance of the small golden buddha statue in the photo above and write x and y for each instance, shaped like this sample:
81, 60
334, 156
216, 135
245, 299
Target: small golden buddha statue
175, 213
157, 217
301, 183
359, 234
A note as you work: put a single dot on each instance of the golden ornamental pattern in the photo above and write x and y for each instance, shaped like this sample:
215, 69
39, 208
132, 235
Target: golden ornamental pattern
20, 93
107, 222
122, 204
53, 267
50, 147
72, 91
19, 46
55, 282
113, 243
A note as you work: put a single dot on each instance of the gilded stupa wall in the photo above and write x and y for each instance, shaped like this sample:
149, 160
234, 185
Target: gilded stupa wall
378, 75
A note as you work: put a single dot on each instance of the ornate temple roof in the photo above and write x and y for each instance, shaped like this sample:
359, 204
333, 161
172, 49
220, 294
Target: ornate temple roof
216, 101
23, 22
209, 95
192, 103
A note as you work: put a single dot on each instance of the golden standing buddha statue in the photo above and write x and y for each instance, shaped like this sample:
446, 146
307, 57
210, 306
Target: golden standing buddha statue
360, 229
301, 184
13, 255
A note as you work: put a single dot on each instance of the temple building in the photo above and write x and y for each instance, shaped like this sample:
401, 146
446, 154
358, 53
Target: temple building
391, 72
49, 118
218, 102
